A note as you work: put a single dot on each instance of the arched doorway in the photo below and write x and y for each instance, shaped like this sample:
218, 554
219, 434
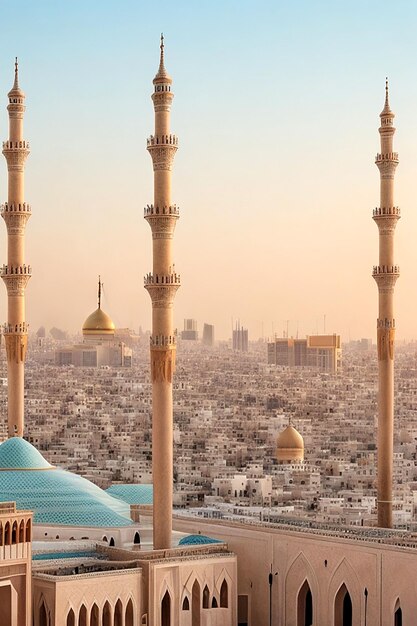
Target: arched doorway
166, 610
118, 613
129, 614
6, 611
206, 598
136, 538
305, 606
224, 595
111, 541
343, 607
94, 616
195, 604
70, 618
43, 615
82, 618
107, 615
398, 615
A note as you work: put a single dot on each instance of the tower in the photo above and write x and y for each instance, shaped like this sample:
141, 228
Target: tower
385, 275
16, 274
162, 285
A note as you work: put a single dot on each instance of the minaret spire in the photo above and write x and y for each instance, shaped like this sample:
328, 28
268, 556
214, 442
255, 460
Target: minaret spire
16, 273
99, 292
386, 274
162, 285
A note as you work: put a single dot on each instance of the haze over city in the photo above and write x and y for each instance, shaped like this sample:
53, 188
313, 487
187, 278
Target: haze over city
276, 179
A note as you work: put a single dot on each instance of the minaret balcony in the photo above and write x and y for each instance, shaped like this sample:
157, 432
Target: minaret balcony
15, 270
162, 140
393, 211
162, 341
15, 208
15, 145
13, 329
151, 211
386, 269
151, 280
388, 156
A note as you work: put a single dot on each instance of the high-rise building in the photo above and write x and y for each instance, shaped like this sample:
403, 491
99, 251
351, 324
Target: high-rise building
208, 335
190, 332
16, 273
240, 341
320, 351
162, 285
385, 274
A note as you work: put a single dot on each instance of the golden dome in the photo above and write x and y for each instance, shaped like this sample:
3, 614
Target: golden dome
98, 323
290, 445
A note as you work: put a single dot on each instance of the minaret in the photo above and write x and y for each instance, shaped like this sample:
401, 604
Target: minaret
16, 274
386, 274
162, 285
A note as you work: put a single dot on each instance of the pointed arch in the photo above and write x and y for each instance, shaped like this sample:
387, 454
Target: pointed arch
305, 605
1, 534
166, 609
214, 604
111, 542
70, 618
43, 613
343, 607
94, 616
136, 539
118, 614
106, 619
129, 613
186, 604
345, 575
224, 594
29, 530
82, 616
196, 604
398, 614
22, 531
7, 534
206, 597
14, 533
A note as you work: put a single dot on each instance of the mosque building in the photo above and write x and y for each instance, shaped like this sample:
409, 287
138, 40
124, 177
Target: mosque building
86, 557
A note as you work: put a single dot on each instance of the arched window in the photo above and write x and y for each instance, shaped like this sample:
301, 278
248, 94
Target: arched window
118, 613
214, 604
196, 604
105, 539
186, 604
305, 606
111, 541
129, 613
224, 595
43, 616
14, 533
398, 615
136, 538
107, 615
82, 617
206, 598
343, 607
94, 616
70, 618
166, 610
7, 534
28, 530
21, 531
1, 534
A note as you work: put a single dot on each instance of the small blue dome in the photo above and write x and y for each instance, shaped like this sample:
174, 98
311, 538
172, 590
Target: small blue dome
55, 496
195, 540
16, 453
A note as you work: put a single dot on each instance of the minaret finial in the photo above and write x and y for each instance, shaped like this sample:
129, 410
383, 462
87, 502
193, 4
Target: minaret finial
386, 110
16, 74
99, 292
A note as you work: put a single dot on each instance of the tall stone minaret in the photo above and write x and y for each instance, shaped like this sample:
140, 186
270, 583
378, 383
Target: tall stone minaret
386, 274
162, 285
16, 274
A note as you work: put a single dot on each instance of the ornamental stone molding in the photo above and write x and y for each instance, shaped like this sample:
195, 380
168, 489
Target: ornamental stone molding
385, 338
386, 282
162, 226
16, 222
16, 284
162, 156
386, 223
15, 158
387, 168
162, 364
162, 296
16, 347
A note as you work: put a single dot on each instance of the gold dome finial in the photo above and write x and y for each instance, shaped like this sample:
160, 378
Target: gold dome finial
98, 324
99, 291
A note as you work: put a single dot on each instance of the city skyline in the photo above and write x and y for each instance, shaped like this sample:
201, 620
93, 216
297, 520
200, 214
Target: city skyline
297, 113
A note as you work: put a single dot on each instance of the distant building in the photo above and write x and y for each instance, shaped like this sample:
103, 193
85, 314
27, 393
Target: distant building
208, 335
190, 332
240, 339
321, 351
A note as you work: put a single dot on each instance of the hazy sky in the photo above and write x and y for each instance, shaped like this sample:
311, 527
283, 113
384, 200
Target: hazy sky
277, 111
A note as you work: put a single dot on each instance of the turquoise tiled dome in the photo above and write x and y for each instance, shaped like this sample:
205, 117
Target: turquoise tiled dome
54, 495
132, 494
196, 540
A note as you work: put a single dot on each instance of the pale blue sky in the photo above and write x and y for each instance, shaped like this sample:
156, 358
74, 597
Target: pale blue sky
276, 107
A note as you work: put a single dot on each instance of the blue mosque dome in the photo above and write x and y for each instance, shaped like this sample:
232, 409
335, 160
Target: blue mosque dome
53, 494
133, 493
196, 540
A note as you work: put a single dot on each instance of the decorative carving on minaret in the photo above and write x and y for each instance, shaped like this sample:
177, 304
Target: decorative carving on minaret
385, 339
162, 364
16, 347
